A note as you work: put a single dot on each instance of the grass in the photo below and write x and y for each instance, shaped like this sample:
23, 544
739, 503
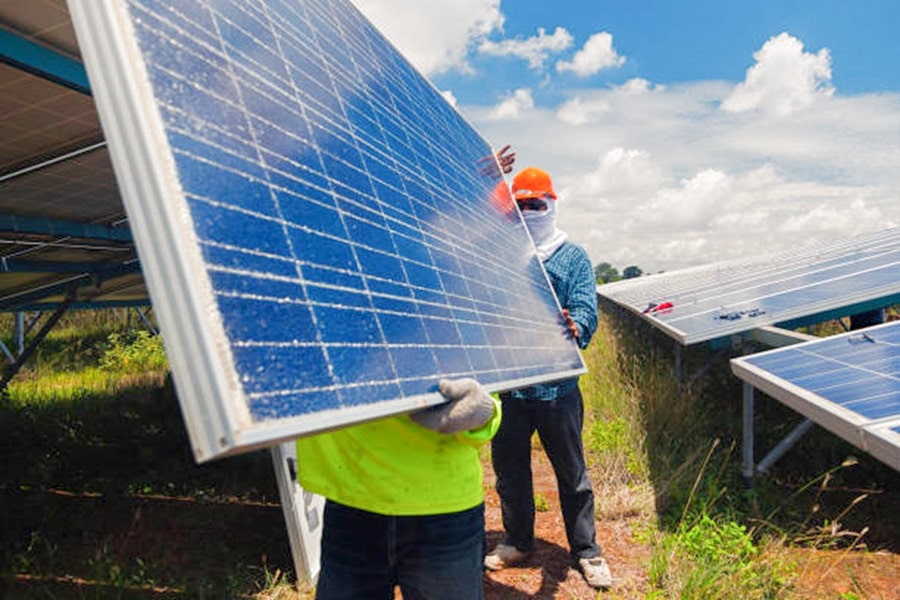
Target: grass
99, 492
710, 537
100, 496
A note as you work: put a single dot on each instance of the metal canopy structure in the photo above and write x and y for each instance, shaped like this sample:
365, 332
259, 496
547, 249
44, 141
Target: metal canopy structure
848, 383
806, 285
64, 235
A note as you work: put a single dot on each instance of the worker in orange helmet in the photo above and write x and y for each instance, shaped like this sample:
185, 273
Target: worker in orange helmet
555, 410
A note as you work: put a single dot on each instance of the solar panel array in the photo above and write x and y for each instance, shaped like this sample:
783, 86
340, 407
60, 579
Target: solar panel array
317, 225
848, 383
718, 300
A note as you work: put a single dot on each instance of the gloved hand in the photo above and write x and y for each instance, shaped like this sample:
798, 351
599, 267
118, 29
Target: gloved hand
468, 407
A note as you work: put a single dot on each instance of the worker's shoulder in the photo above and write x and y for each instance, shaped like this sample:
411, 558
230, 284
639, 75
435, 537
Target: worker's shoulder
571, 251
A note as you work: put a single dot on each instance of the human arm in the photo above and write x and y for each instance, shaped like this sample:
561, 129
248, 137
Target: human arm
580, 299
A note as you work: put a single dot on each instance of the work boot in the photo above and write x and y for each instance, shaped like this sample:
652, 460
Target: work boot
596, 572
503, 556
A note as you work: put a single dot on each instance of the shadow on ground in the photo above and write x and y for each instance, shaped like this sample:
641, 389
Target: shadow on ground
102, 499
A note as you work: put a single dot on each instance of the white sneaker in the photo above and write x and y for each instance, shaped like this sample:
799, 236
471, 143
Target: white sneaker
596, 572
503, 556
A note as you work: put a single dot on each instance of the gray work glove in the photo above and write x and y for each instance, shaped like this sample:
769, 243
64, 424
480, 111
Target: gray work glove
468, 407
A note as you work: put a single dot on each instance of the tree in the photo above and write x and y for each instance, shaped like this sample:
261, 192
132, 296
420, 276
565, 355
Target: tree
631, 272
605, 272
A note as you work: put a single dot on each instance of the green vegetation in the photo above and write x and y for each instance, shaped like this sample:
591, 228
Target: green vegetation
99, 491
672, 448
100, 496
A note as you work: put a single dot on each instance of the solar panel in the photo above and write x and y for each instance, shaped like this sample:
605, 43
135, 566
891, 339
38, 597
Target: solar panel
722, 299
316, 224
849, 384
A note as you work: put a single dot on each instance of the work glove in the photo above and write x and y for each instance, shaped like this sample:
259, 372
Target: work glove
468, 407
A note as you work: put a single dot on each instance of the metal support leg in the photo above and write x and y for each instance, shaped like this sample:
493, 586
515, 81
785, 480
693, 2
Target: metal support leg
27, 352
146, 321
678, 362
20, 333
9, 355
783, 446
748, 469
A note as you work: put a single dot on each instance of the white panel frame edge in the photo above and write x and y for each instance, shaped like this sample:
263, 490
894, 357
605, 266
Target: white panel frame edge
172, 267
212, 401
304, 514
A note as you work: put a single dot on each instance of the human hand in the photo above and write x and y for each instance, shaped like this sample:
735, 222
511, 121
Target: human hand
506, 160
490, 164
570, 324
468, 407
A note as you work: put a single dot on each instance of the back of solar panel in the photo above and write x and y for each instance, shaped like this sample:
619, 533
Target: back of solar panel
318, 228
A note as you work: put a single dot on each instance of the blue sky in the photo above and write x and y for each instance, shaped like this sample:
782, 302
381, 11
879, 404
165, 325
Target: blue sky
684, 132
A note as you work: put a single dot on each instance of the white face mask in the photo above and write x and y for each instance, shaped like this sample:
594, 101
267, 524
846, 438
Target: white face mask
541, 225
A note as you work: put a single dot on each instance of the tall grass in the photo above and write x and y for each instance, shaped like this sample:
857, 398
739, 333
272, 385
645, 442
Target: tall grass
97, 482
667, 452
99, 493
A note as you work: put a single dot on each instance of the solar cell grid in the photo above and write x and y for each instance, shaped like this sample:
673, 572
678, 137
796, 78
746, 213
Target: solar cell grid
339, 237
721, 299
849, 383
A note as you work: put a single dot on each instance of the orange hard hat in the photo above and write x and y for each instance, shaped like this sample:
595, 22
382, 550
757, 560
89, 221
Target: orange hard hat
532, 182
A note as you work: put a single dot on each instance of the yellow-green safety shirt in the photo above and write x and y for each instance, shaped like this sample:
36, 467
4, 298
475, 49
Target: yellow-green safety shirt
394, 466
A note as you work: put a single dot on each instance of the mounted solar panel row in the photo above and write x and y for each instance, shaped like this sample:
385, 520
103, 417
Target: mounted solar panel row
849, 384
718, 300
314, 221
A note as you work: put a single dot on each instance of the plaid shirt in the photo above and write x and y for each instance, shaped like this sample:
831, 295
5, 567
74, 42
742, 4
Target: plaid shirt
572, 276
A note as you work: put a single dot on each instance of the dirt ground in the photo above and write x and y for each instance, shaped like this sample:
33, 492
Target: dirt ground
548, 574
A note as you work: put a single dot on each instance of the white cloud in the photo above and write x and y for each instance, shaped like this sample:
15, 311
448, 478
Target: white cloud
666, 177
535, 50
579, 111
597, 54
450, 98
637, 86
783, 80
666, 180
434, 36
513, 106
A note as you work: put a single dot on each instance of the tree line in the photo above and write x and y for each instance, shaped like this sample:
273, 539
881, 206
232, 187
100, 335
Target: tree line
606, 273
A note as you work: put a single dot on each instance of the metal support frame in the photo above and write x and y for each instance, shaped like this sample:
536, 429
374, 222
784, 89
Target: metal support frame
775, 337
145, 320
38, 338
679, 363
41, 61
18, 339
749, 469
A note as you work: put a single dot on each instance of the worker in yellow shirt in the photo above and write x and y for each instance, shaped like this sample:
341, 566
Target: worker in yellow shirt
404, 500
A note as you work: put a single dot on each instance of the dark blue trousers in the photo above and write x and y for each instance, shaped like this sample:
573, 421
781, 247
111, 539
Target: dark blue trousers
558, 423
432, 557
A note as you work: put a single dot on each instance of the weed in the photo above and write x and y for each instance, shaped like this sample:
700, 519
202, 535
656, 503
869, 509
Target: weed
134, 353
540, 503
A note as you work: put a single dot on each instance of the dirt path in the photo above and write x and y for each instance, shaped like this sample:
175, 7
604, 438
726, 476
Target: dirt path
548, 573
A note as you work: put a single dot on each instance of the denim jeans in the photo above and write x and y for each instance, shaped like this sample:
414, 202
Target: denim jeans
558, 423
432, 557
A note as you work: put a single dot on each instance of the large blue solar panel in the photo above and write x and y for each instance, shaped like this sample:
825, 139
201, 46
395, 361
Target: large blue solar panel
848, 383
722, 299
320, 230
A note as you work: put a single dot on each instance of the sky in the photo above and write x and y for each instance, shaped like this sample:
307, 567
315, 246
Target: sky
678, 133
